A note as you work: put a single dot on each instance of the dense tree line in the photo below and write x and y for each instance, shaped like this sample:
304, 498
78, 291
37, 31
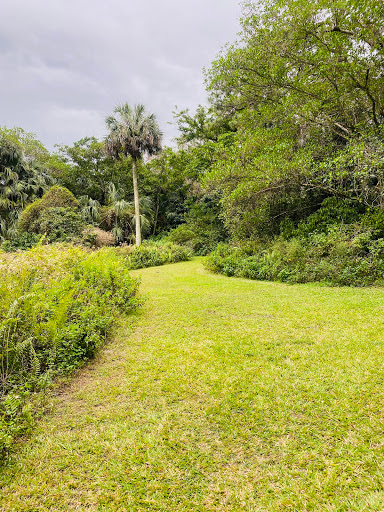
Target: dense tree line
305, 83
290, 144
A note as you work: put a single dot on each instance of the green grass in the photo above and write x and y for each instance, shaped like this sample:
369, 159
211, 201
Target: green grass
230, 395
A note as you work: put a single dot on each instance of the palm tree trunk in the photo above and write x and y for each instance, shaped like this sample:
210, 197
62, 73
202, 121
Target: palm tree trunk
136, 198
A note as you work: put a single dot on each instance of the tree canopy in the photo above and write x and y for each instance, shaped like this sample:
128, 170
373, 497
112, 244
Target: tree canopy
22, 178
305, 83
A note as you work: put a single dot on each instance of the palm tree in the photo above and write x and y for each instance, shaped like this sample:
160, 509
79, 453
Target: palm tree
119, 214
21, 182
133, 133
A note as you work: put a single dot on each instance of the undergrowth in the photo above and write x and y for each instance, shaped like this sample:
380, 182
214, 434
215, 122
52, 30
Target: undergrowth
343, 256
58, 304
152, 254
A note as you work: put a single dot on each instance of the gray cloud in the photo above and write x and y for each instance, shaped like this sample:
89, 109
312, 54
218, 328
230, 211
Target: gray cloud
64, 65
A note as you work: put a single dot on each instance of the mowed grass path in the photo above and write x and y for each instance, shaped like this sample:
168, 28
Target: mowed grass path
230, 395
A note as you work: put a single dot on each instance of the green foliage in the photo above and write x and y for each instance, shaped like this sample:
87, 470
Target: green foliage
151, 254
31, 148
58, 304
315, 63
85, 169
164, 180
118, 216
264, 178
55, 197
207, 124
188, 236
203, 229
167, 181
333, 211
60, 224
29, 216
56, 214
22, 180
21, 242
59, 197
343, 256
90, 209
304, 84
373, 220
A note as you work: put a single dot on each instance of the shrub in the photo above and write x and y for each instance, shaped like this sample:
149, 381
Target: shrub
60, 224
203, 228
96, 237
345, 256
333, 211
59, 197
58, 304
373, 220
151, 254
29, 216
22, 242
55, 197
201, 240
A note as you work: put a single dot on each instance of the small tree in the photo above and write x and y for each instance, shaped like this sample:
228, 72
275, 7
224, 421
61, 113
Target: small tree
133, 133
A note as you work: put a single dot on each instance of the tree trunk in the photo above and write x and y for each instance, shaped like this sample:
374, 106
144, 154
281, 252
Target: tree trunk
136, 198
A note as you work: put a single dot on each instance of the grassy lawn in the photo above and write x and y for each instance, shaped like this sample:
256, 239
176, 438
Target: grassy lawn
230, 395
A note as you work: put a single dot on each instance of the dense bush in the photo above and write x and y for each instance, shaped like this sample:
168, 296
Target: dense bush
203, 229
21, 241
151, 254
332, 211
55, 197
58, 303
201, 240
29, 216
59, 197
96, 237
344, 256
60, 224
56, 215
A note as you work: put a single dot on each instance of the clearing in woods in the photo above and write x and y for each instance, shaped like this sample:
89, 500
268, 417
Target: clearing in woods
229, 395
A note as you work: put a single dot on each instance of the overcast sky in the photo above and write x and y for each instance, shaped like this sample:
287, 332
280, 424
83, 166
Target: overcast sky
65, 64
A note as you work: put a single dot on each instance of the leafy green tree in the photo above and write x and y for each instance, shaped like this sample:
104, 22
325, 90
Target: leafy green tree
21, 181
206, 125
134, 133
32, 149
85, 169
317, 63
305, 82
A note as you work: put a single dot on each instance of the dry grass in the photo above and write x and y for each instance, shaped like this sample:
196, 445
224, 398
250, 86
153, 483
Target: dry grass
101, 238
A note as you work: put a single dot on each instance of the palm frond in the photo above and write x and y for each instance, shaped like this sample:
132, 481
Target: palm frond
132, 132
